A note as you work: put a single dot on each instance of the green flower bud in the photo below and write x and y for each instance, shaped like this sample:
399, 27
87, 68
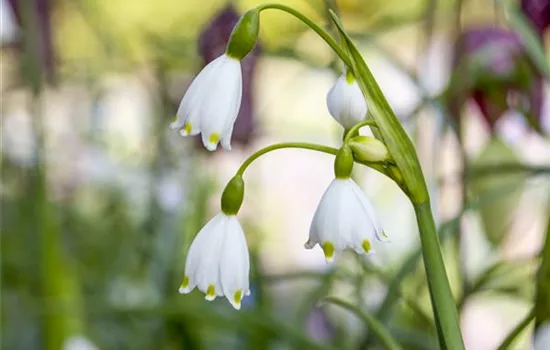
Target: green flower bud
244, 35
343, 164
368, 149
232, 196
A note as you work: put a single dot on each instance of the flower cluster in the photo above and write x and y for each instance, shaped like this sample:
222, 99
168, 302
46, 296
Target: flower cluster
218, 261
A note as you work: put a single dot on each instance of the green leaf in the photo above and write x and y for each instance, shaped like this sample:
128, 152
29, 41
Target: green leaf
498, 216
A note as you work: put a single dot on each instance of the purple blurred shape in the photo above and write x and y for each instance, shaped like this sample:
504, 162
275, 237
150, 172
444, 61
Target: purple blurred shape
491, 66
212, 43
39, 33
538, 11
319, 326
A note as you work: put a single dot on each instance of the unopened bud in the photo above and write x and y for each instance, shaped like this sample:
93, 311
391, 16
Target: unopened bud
368, 149
244, 35
343, 164
232, 196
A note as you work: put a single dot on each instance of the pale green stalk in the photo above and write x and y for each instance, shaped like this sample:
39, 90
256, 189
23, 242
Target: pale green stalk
371, 322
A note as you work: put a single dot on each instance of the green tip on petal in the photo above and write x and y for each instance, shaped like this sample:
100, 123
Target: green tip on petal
328, 249
184, 287
214, 137
237, 297
186, 129
211, 292
366, 245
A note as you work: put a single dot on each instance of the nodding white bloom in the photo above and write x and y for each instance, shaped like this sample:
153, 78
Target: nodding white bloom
211, 104
345, 218
346, 102
217, 261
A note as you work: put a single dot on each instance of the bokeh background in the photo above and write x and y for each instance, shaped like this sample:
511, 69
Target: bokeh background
100, 200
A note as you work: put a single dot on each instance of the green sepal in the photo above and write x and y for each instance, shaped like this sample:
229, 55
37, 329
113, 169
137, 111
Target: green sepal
368, 149
343, 163
232, 196
244, 35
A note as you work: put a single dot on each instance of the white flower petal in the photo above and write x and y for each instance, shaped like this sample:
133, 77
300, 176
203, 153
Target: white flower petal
220, 110
369, 208
193, 97
346, 102
202, 260
343, 220
226, 139
234, 264
218, 261
212, 102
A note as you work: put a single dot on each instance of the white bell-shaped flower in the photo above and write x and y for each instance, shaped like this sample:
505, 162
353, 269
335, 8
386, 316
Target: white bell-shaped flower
211, 104
345, 218
542, 337
217, 262
346, 102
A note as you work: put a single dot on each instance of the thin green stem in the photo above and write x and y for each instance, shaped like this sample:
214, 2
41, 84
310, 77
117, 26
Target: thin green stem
507, 342
322, 33
440, 290
354, 129
542, 296
372, 323
303, 145
499, 169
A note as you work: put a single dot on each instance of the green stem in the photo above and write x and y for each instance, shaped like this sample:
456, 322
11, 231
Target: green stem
542, 296
507, 342
322, 33
372, 323
440, 291
509, 168
355, 129
303, 145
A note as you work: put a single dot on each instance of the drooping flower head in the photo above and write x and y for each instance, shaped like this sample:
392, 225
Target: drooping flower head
212, 102
346, 102
213, 41
345, 218
218, 262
